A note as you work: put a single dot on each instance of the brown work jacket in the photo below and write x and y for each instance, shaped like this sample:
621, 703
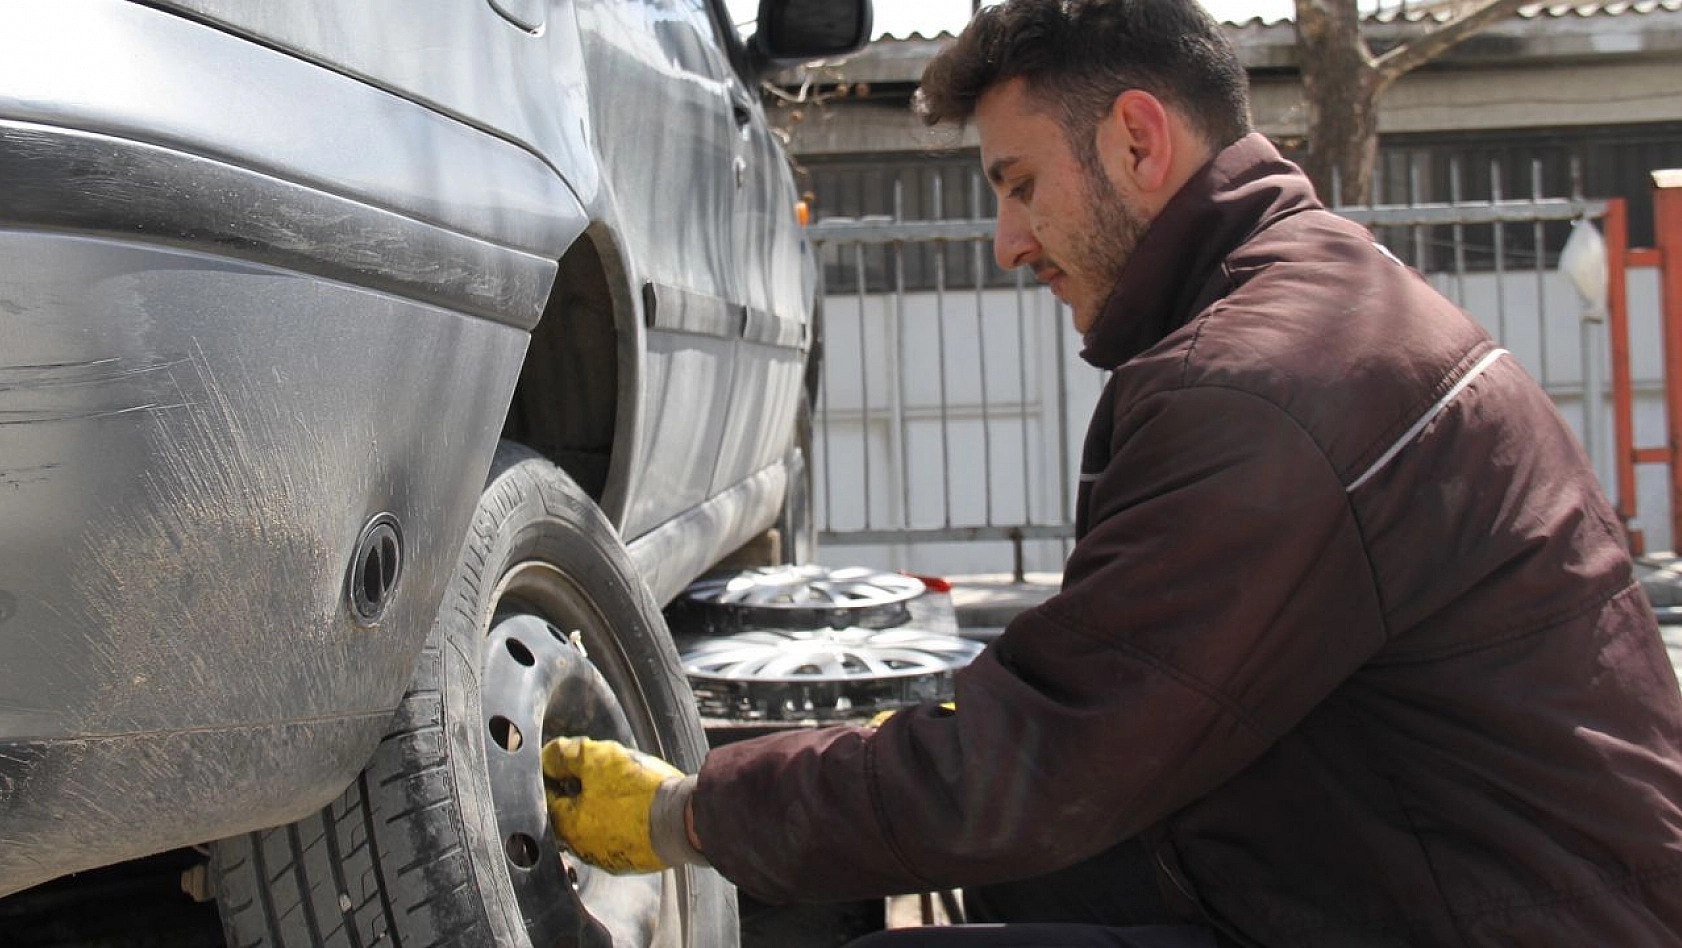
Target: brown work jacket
1349, 638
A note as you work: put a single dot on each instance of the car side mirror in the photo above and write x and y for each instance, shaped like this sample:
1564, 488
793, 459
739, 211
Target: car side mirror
798, 31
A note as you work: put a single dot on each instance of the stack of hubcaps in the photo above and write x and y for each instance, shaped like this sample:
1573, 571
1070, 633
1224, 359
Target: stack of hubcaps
810, 643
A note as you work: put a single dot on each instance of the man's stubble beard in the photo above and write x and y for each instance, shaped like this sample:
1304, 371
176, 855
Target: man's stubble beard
1115, 230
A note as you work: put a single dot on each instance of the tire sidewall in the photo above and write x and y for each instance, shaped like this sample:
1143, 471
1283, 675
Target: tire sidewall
530, 511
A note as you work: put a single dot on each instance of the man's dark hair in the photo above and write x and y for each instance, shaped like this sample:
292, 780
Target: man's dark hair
1078, 55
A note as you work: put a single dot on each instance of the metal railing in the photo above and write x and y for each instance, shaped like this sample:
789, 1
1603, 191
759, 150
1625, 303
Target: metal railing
954, 402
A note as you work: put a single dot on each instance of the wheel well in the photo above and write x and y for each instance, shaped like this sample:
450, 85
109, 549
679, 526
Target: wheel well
565, 404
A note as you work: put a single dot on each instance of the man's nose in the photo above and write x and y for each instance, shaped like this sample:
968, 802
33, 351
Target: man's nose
1013, 238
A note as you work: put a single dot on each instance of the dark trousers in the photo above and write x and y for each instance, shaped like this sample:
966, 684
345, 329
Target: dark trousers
1108, 901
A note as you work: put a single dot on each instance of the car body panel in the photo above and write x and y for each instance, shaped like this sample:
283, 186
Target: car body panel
188, 469
206, 92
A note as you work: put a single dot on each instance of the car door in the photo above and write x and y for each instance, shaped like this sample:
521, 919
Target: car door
662, 107
776, 283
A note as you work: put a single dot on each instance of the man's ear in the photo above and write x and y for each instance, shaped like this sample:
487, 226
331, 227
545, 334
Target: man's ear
1137, 143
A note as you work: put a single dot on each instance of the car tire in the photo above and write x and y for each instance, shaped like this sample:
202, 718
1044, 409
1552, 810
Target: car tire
444, 840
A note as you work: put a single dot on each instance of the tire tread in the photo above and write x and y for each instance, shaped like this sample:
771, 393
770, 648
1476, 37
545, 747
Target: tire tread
388, 862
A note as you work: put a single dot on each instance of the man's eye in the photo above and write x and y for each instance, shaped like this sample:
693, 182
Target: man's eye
1023, 191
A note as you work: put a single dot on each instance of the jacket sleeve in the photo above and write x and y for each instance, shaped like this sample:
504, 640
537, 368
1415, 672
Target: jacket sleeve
1221, 591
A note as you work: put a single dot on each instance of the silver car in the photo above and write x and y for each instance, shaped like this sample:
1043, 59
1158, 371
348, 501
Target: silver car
370, 373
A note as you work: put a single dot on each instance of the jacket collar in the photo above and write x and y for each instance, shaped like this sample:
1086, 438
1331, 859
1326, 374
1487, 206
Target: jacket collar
1246, 186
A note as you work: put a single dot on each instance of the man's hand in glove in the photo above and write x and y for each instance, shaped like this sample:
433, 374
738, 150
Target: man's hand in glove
618, 808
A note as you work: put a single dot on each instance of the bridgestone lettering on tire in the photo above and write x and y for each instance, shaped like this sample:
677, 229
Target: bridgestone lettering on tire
413, 853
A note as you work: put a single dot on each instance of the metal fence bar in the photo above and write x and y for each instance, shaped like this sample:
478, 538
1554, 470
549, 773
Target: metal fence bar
1066, 476
940, 343
1541, 276
1049, 531
981, 348
884, 230
1065, 458
1420, 244
897, 365
1459, 232
1474, 212
1594, 394
1500, 253
824, 403
1022, 396
864, 377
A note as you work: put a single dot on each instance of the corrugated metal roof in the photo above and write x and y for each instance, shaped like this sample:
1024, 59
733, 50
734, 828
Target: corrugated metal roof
1440, 12
1412, 13
915, 35
1551, 33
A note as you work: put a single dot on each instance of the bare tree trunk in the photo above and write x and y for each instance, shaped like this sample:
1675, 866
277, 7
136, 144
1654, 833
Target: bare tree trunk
1338, 80
1342, 83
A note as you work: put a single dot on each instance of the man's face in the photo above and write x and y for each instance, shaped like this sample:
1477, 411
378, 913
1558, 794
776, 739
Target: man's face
1059, 216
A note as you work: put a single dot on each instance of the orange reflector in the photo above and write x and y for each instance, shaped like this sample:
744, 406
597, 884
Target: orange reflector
803, 212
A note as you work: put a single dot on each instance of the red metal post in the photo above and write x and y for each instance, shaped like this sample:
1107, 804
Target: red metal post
1667, 233
1616, 227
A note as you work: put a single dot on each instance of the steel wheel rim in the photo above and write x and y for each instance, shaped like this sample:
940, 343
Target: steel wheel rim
537, 682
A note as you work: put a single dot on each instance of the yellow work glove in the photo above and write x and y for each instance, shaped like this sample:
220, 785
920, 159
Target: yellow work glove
881, 718
618, 808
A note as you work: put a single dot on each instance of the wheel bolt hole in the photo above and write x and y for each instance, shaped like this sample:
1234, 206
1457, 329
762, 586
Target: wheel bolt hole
506, 734
522, 850
521, 654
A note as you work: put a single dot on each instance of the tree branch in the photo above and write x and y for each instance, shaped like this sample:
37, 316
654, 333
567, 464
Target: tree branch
1398, 62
